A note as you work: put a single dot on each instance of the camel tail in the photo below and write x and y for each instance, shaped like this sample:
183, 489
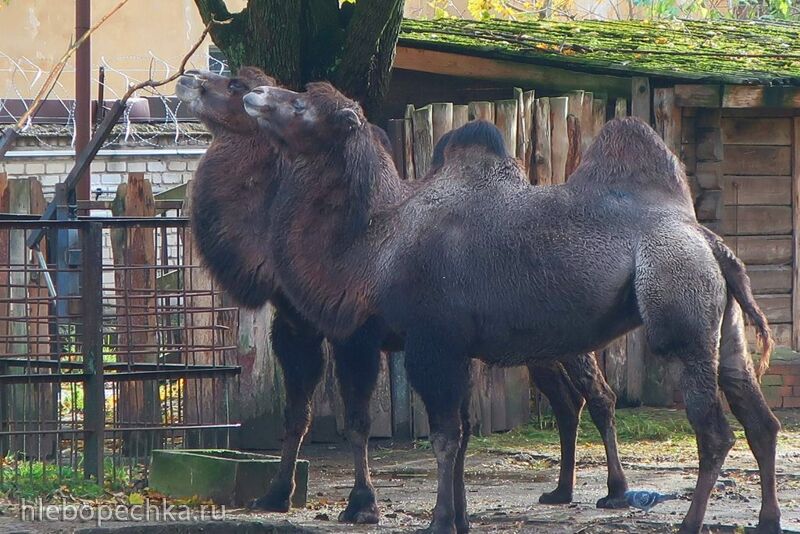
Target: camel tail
739, 285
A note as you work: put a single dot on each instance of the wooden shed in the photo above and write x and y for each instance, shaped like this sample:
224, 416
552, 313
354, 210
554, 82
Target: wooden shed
726, 97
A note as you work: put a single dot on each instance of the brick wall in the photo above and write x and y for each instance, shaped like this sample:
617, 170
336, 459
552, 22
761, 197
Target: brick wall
166, 162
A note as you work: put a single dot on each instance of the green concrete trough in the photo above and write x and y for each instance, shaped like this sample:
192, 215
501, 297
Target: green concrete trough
223, 476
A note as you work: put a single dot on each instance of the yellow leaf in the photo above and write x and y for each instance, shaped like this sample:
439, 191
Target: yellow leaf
135, 498
661, 40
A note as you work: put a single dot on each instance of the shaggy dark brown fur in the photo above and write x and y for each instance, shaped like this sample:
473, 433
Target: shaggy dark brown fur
479, 264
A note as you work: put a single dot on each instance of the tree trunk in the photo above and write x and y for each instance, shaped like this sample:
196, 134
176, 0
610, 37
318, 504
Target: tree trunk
301, 41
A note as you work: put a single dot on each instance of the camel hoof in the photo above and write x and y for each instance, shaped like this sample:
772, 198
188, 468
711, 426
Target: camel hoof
556, 497
361, 508
769, 526
268, 503
613, 503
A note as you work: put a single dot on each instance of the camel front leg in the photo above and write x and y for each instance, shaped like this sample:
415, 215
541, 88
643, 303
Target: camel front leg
440, 375
298, 348
358, 362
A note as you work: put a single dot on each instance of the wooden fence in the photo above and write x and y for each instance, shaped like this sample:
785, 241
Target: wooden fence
548, 135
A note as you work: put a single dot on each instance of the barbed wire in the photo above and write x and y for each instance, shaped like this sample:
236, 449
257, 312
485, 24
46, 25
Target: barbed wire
21, 78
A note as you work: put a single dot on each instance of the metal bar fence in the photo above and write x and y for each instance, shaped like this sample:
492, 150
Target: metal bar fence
121, 356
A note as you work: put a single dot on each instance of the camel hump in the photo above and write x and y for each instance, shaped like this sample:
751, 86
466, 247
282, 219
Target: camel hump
476, 139
629, 155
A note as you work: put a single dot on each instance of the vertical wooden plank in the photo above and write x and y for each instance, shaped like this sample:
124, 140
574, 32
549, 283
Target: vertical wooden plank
640, 98
136, 320
505, 117
481, 400
460, 115
587, 121
19, 408
635, 368
481, 111
396, 131
408, 144
796, 233
575, 104
401, 398
620, 108
380, 406
541, 172
574, 149
419, 417
616, 366
442, 113
598, 116
518, 396
525, 128
422, 120
498, 396
668, 118
575, 108
559, 140
38, 329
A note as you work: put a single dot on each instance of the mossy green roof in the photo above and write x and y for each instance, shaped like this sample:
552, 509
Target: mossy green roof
718, 51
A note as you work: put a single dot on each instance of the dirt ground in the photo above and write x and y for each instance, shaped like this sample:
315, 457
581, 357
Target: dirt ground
505, 476
503, 490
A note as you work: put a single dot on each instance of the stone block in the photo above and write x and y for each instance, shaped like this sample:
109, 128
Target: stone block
176, 165
34, 168
137, 166
15, 168
116, 166
223, 476
56, 167
98, 166
156, 166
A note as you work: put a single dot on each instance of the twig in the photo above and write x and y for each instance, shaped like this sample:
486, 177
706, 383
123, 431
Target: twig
59, 67
181, 69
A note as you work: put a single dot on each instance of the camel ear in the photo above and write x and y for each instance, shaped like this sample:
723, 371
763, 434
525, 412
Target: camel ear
348, 117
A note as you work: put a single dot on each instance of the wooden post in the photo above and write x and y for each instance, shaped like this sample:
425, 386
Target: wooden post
408, 144
506, 117
796, 233
541, 172
559, 142
587, 121
460, 115
525, 127
668, 118
137, 339
640, 98
442, 113
574, 148
620, 108
481, 111
598, 116
422, 120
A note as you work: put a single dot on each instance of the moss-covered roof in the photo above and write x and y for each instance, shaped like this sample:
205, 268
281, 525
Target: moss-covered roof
719, 51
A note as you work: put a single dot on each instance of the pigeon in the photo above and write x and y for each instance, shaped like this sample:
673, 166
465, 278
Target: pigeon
646, 500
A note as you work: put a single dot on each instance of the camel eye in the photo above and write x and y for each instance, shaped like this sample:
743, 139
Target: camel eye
298, 106
236, 85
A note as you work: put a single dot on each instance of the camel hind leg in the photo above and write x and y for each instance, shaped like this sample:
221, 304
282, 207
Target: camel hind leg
566, 403
738, 381
585, 375
681, 296
298, 348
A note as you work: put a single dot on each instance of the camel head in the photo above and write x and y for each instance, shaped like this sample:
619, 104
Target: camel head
308, 122
217, 100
